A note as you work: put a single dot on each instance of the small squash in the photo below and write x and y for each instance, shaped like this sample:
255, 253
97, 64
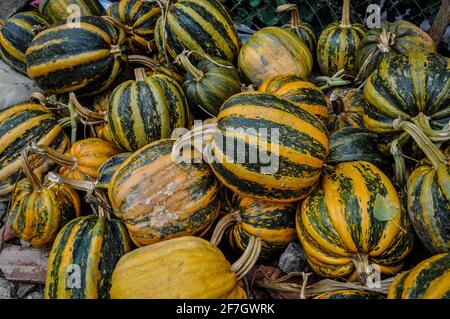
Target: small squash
336, 47
300, 92
274, 51
209, 84
20, 126
158, 198
415, 87
304, 30
16, 35
146, 110
343, 228
39, 210
202, 25
349, 294
430, 279
273, 223
264, 147
392, 38
182, 268
85, 56
57, 10
84, 256
428, 190
137, 18
83, 159
346, 109
351, 144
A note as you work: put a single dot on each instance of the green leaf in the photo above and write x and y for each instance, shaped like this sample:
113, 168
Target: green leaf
280, 2
384, 210
255, 3
268, 16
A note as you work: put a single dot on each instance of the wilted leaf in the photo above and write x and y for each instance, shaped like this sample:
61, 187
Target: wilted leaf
384, 210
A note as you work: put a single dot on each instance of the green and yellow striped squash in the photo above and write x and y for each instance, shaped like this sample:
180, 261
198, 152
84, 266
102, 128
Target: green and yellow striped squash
158, 198
100, 104
351, 144
303, 29
402, 87
349, 294
300, 92
39, 210
337, 44
202, 25
180, 268
107, 169
274, 223
274, 51
340, 231
83, 258
20, 126
85, 56
57, 10
283, 169
146, 110
16, 35
430, 279
392, 38
429, 204
346, 109
138, 19
209, 84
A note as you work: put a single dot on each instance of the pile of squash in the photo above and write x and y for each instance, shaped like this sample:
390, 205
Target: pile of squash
109, 170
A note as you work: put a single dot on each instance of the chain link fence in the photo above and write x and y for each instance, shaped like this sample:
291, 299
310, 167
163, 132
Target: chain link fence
252, 15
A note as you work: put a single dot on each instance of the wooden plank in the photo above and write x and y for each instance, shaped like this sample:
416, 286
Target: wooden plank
9, 8
24, 264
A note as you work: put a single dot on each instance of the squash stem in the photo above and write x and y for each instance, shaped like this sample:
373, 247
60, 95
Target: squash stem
386, 41
73, 122
189, 67
85, 186
223, 224
295, 14
54, 156
204, 132
154, 66
335, 80
400, 165
361, 262
345, 22
423, 122
248, 259
140, 75
91, 117
27, 169
434, 155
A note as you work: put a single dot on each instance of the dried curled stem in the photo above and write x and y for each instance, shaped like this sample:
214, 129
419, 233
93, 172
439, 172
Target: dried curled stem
223, 224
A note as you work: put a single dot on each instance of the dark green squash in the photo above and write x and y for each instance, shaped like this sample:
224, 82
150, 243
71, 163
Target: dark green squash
407, 86
336, 47
85, 57
146, 110
209, 84
16, 35
108, 168
83, 258
57, 10
203, 25
137, 18
350, 294
354, 144
392, 38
